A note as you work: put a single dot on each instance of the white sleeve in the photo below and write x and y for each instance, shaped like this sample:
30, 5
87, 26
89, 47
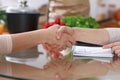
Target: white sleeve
114, 34
5, 44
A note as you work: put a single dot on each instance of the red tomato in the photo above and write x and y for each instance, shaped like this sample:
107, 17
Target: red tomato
62, 24
46, 25
51, 23
117, 15
57, 20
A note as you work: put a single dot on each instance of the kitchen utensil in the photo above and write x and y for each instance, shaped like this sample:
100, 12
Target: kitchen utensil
22, 18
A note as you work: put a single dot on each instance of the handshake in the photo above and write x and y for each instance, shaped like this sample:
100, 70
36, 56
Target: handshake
58, 38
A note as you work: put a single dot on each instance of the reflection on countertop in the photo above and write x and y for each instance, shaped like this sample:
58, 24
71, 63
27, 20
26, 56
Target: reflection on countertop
63, 69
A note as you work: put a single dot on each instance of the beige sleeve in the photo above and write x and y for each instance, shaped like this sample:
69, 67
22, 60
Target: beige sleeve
114, 34
5, 44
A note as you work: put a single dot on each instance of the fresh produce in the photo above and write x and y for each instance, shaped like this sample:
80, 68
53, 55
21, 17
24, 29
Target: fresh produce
79, 21
57, 21
74, 21
117, 15
3, 16
1, 29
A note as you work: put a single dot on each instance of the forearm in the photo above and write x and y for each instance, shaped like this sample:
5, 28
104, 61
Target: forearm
97, 36
27, 39
114, 34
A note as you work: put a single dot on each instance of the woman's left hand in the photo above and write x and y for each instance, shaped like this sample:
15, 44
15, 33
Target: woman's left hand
50, 49
115, 48
54, 49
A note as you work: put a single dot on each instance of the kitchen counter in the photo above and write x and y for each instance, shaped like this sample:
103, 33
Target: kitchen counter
59, 69
110, 24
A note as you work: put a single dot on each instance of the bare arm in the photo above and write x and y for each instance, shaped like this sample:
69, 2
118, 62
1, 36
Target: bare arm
27, 39
97, 36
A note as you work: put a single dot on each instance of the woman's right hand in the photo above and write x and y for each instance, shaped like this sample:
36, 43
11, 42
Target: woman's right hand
62, 32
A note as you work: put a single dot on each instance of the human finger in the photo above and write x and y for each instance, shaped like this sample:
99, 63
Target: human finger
116, 43
114, 48
108, 46
72, 40
117, 52
62, 30
68, 44
111, 45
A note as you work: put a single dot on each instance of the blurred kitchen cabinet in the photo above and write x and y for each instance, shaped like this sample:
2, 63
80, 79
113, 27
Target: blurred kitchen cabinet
61, 8
42, 19
111, 23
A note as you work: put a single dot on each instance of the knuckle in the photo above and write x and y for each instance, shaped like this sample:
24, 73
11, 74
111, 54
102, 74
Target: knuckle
117, 51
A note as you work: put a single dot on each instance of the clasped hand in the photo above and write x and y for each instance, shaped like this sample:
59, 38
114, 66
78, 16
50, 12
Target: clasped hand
58, 39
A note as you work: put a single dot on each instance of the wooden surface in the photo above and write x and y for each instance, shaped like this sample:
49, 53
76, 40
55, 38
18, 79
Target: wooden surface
110, 23
62, 69
55, 70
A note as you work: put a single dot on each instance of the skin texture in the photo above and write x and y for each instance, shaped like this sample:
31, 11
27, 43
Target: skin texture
115, 47
96, 36
54, 50
80, 34
43, 36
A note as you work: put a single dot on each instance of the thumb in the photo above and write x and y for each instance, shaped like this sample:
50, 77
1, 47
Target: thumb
68, 30
62, 30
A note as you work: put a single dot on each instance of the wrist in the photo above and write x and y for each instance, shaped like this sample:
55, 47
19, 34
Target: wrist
43, 33
76, 32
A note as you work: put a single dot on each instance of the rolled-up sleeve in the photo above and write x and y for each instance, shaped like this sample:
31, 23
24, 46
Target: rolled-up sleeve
114, 34
5, 44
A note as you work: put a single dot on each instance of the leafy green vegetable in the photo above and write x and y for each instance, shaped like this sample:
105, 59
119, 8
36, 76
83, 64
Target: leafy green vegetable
79, 21
2, 15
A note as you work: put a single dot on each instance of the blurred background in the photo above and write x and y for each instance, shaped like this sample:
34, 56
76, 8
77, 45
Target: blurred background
106, 12
18, 16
